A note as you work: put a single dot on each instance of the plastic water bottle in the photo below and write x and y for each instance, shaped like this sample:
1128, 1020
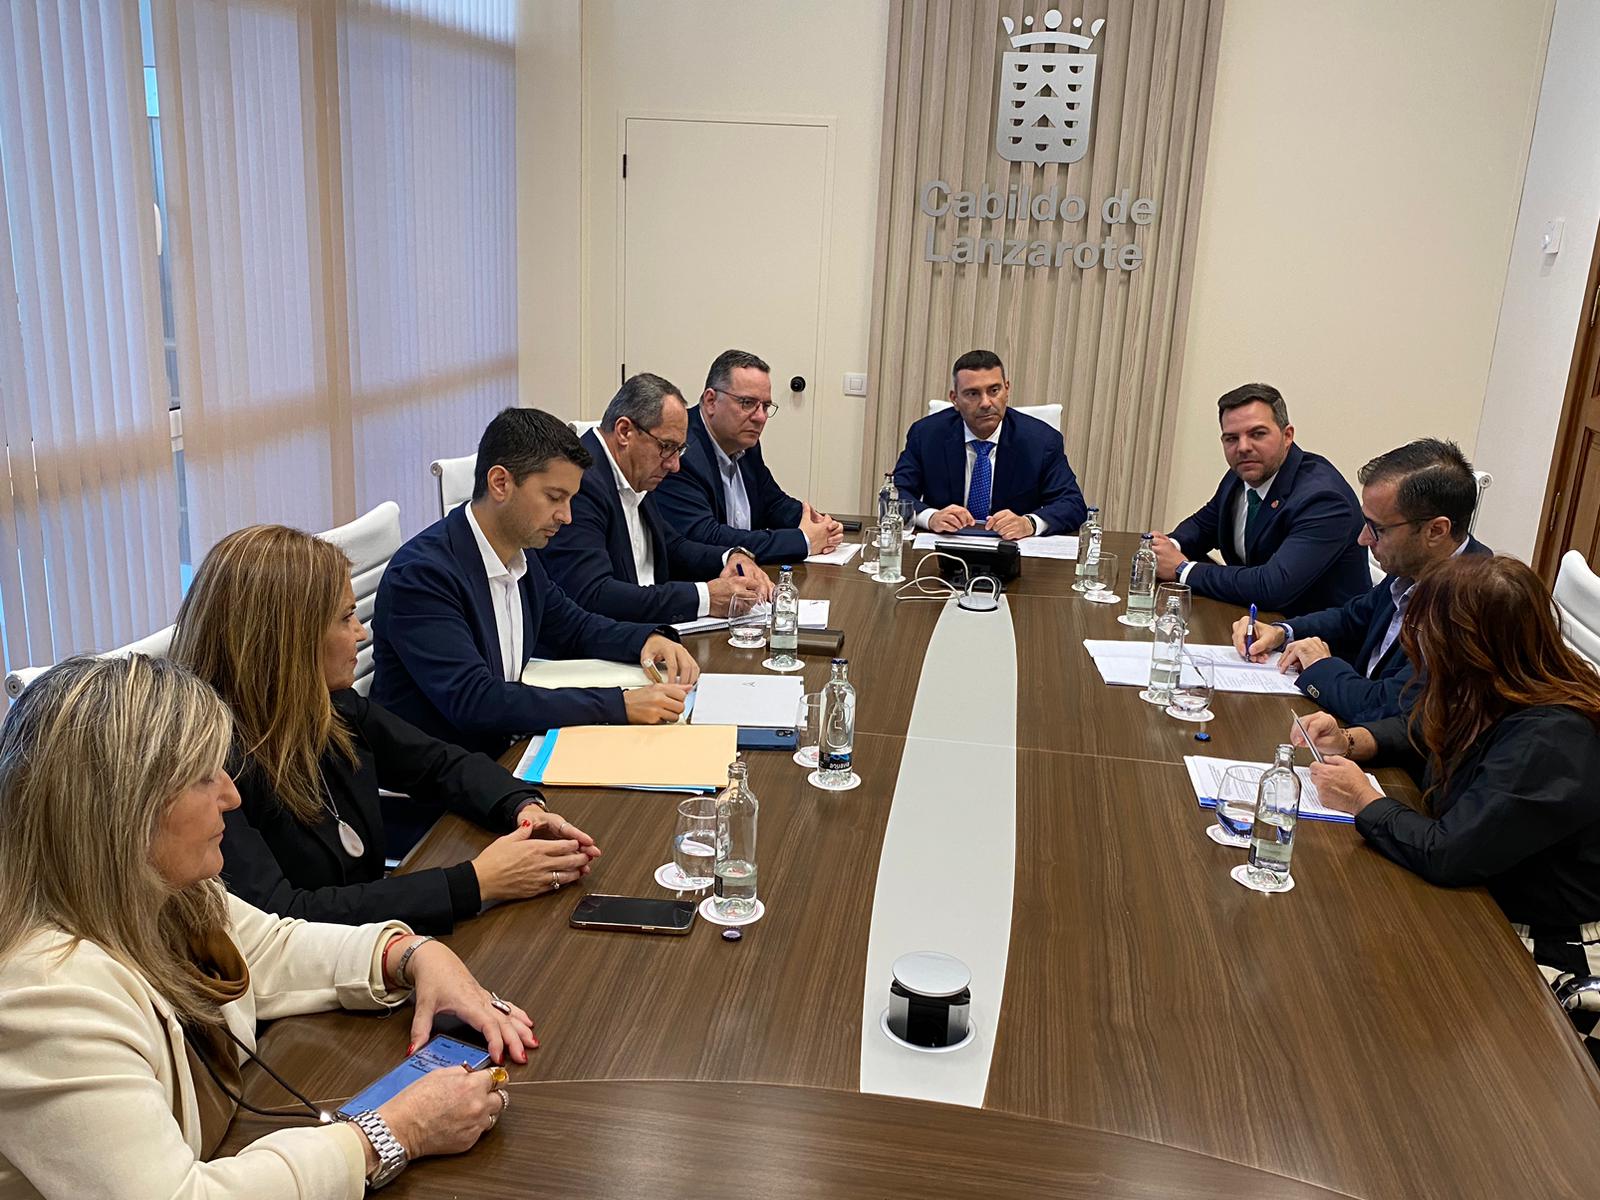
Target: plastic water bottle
784, 635
733, 892
1277, 813
888, 497
1166, 654
890, 533
1088, 545
837, 751
1142, 583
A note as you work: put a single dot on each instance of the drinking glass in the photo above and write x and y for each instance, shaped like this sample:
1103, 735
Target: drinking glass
1191, 694
1101, 586
747, 622
870, 545
908, 516
1236, 805
808, 729
1165, 592
694, 844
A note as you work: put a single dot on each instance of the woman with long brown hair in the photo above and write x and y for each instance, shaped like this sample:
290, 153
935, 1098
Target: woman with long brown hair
1504, 733
270, 623
131, 983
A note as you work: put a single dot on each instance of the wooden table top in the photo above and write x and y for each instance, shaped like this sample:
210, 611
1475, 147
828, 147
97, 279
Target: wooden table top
1414, 1049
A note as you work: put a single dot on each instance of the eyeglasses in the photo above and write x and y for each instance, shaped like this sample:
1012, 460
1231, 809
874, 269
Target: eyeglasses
749, 404
669, 450
1377, 531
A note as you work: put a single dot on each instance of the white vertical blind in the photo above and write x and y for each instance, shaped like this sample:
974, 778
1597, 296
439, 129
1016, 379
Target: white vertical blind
88, 507
341, 190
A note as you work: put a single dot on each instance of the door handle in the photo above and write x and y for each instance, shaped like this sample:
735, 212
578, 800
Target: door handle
797, 384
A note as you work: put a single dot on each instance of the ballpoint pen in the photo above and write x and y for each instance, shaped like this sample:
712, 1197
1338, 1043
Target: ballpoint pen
1315, 753
1250, 632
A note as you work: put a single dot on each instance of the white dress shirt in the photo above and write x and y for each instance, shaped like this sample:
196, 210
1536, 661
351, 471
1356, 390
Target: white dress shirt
1241, 511
504, 597
1040, 525
644, 555
734, 497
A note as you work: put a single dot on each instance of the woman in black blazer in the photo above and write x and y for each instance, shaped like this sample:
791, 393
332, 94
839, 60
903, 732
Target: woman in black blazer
270, 623
1505, 735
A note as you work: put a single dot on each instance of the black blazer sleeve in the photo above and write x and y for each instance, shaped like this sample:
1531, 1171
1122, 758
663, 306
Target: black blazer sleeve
1199, 534
429, 901
579, 561
409, 761
1533, 785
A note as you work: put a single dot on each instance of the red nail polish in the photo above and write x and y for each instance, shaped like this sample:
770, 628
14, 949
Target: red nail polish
411, 1049
535, 1043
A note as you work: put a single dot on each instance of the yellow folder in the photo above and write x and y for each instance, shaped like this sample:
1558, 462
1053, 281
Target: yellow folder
658, 756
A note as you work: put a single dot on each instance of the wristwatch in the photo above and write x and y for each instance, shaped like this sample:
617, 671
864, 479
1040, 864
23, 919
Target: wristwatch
391, 1154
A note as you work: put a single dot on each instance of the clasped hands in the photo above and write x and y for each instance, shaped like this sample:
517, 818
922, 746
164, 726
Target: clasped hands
954, 518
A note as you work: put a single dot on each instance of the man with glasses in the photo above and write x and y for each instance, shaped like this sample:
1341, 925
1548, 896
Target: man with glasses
1283, 518
619, 557
1416, 504
725, 495
979, 465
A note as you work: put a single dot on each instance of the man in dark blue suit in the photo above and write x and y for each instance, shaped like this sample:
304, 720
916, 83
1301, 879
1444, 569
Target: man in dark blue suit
462, 608
619, 558
1284, 519
977, 464
724, 495
1416, 503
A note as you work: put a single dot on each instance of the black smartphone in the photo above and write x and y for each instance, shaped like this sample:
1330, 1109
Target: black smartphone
439, 1052
634, 914
850, 525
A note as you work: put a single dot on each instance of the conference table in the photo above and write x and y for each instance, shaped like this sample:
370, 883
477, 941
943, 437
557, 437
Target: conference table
1145, 1026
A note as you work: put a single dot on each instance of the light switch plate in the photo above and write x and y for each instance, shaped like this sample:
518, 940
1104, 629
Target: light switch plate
855, 385
1550, 243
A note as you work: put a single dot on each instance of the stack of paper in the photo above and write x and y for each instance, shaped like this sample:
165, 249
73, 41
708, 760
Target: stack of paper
1128, 663
837, 557
1051, 546
1206, 776
813, 615
674, 758
582, 673
763, 701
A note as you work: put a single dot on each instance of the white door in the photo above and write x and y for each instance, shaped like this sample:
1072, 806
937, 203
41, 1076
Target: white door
723, 233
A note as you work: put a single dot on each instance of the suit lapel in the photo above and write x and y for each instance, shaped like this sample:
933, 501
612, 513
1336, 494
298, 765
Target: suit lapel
701, 436
1273, 503
658, 539
600, 475
955, 467
1378, 625
468, 557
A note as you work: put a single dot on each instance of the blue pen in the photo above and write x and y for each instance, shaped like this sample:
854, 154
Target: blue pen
1250, 632
739, 567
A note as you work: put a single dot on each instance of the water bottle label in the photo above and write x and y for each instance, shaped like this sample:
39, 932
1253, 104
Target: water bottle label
836, 762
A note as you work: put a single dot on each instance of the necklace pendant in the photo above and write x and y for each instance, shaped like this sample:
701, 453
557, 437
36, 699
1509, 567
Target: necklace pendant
351, 840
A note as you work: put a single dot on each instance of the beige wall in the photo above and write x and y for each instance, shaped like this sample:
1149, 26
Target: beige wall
824, 58
1365, 164
1361, 190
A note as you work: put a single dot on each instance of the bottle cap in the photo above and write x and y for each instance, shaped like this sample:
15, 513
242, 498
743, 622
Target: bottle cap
731, 935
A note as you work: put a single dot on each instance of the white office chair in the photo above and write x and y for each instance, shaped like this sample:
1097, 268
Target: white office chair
582, 427
1484, 481
156, 645
1050, 414
455, 480
370, 541
1577, 597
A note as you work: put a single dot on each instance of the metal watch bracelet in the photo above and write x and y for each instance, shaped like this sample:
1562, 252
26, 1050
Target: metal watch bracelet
392, 1157
402, 976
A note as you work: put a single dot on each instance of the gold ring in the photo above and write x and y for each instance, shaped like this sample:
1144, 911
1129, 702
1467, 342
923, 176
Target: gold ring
499, 1075
505, 1099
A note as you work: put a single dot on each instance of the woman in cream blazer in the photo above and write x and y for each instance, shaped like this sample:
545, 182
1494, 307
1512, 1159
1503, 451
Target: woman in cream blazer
123, 964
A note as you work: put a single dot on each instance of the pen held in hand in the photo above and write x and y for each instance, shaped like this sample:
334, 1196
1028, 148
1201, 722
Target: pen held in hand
1311, 746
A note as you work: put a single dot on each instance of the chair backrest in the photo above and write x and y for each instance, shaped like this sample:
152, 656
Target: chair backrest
1577, 597
582, 427
455, 480
156, 645
1484, 479
1050, 414
370, 541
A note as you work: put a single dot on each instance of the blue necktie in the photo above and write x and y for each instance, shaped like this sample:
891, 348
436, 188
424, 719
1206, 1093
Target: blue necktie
982, 481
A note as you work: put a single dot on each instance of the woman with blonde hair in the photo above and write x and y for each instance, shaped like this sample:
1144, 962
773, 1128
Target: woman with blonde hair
131, 983
270, 622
